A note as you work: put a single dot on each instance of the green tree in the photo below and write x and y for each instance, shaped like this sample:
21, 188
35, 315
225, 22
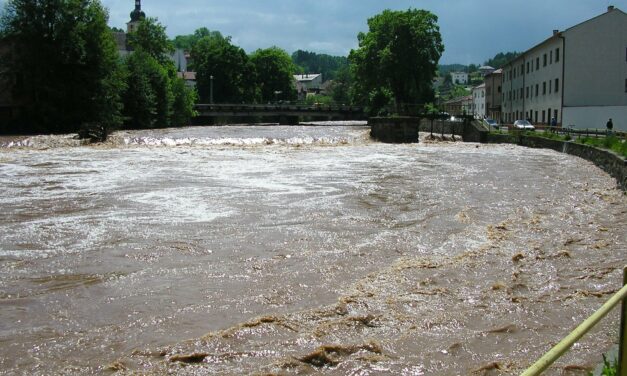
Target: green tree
183, 104
340, 91
155, 97
398, 56
274, 72
151, 38
311, 62
187, 42
500, 59
232, 71
68, 61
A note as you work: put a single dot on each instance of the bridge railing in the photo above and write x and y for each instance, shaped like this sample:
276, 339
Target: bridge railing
561, 348
278, 107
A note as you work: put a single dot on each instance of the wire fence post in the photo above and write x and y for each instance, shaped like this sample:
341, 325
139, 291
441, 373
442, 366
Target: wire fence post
622, 357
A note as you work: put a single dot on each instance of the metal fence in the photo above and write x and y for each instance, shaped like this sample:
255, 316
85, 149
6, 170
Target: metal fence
561, 348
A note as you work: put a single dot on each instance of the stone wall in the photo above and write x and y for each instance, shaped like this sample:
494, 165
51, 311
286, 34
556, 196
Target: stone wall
610, 162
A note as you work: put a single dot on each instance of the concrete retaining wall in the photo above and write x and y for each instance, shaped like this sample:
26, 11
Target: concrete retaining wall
608, 161
401, 129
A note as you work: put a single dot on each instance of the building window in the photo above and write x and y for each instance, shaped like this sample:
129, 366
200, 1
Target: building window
543, 116
544, 61
550, 86
555, 115
551, 57
527, 67
536, 121
544, 88
522, 68
557, 85
537, 63
499, 89
537, 87
557, 55
527, 92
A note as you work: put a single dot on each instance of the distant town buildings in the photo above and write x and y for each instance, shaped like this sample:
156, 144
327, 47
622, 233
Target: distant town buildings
479, 101
459, 78
493, 84
577, 76
307, 84
486, 70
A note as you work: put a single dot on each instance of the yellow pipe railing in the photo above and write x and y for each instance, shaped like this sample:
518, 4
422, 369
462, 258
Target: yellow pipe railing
556, 352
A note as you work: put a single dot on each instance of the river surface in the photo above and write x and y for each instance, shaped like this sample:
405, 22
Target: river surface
300, 250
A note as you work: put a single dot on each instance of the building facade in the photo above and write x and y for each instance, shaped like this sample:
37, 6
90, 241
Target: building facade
307, 83
493, 93
577, 76
459, 78
479, 101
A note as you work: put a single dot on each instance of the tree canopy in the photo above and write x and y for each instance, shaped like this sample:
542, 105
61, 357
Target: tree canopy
232, 71
500, 59
68, 63
274, 72
311, 62
397, 58
187, 42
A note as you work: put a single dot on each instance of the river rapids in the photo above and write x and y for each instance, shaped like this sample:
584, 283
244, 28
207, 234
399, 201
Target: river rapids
300, 250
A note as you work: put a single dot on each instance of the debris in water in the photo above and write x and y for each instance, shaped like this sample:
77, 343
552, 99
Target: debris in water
321, 357
511, 328
117, 366
190, 358
517, 257
487, 368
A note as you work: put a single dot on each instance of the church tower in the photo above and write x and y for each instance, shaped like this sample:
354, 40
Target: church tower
136, 17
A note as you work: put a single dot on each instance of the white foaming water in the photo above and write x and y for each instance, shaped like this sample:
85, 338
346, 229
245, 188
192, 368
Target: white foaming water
160, 236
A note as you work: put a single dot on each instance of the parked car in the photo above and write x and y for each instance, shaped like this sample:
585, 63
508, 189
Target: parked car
492, 124
524, 124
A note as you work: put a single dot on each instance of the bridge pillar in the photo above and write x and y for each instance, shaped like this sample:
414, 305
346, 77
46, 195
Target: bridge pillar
288, 120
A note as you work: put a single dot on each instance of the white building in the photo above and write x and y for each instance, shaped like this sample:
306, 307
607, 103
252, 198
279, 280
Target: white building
307, 83
478, 101
459, 78
577, 76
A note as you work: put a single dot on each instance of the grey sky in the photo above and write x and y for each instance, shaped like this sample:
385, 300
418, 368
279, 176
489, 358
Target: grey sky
473, 30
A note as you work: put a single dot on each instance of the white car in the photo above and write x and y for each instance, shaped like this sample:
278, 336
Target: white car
524, 124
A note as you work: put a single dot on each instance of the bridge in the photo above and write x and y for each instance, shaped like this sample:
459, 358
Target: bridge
286, 113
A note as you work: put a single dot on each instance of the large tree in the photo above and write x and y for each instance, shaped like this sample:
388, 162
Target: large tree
275, 73
155, 96
68, 62
232, 71
397, 58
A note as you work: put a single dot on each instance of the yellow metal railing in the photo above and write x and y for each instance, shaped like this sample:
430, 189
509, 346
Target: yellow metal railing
556, 352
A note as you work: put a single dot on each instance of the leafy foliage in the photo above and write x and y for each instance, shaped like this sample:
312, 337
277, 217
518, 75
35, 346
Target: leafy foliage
397, 58
187, 42
68, 60
311, 62
155, 96
500, 59
274, 73
233, 72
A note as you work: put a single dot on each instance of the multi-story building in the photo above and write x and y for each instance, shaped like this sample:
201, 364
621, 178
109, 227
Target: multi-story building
493, 82
577, 76
478, 101
459, 78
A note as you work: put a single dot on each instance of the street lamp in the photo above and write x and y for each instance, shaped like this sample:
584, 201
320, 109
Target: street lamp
211, 89
276, 96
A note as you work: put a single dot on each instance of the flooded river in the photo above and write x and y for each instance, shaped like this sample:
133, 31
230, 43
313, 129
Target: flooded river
300, 250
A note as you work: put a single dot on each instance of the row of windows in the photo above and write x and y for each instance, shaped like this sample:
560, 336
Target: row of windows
529, 90
482, 94
536, 117
488, 90
547, 59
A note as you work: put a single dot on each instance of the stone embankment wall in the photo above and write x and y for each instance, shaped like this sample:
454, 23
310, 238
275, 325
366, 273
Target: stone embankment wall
610, 162
401, 129
405, 129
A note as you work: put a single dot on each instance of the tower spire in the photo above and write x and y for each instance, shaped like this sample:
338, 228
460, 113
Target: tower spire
137, 16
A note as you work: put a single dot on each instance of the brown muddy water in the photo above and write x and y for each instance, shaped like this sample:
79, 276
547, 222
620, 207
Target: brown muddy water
300, 250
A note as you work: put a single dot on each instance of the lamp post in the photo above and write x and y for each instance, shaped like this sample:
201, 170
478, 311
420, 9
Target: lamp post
211, 89
276, 96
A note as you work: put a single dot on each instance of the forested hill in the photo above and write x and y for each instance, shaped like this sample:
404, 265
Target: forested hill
311, 62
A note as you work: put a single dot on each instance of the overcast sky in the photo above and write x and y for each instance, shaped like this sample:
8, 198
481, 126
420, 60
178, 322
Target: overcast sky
473, 30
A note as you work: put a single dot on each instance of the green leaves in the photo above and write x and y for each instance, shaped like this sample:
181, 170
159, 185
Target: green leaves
274, 73
398, 57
